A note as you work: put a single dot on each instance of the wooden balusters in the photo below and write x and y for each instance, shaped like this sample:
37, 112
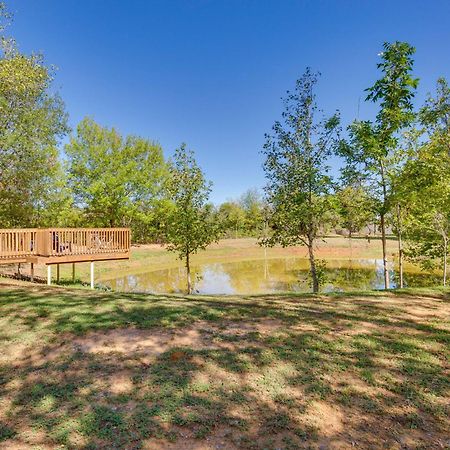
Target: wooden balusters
49, 242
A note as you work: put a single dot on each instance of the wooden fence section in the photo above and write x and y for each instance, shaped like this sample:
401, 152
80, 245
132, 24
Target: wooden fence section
54, 242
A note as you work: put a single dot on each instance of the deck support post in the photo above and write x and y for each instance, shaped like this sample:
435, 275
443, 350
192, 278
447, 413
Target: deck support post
32, 272
73, 272
49, 274
57, 273
92, 274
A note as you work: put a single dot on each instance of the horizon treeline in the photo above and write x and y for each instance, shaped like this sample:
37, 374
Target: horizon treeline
396, 176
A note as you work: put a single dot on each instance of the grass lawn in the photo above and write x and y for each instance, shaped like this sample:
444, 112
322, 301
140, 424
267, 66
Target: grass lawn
97, 370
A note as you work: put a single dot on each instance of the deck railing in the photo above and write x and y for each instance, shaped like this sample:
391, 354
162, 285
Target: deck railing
63, 241
17, 243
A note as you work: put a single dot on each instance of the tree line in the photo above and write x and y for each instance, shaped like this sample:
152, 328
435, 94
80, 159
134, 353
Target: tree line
396, 171
395, 174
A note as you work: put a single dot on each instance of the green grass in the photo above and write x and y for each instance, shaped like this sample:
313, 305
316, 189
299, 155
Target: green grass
260, 372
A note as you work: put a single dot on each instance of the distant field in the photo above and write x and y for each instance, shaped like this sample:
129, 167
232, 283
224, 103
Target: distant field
96, 370
155, 257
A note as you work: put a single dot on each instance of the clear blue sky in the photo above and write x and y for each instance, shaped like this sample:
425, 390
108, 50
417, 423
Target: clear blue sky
211, 73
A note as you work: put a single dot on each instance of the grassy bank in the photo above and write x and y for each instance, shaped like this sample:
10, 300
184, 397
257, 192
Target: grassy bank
82, 369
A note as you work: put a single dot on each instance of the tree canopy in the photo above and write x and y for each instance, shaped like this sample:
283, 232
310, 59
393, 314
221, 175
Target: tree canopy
116, 180
32, 122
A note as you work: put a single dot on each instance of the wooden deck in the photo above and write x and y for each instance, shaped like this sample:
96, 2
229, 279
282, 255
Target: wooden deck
63, 245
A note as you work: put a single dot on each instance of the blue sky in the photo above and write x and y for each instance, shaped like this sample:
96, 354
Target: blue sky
211, 73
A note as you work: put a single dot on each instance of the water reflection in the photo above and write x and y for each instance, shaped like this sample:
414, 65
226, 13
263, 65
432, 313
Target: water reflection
267, 276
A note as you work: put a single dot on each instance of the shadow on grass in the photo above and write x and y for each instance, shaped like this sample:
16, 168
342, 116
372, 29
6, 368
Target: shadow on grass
362, 369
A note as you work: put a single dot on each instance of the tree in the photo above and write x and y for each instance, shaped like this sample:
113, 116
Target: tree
55, 207
252, 204
116, 180
424, 184
354, 207
428, 223
435, 115
296, 170
231, 218
190, 226
372, 151
32, 123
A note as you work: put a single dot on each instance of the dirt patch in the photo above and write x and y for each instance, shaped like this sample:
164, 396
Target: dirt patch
218, 440
120, 383
326, 418
130, 340
157, 341
263, 326
349, 329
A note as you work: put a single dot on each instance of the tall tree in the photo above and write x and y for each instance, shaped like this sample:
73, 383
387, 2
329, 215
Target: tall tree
296, 169
372, 151
190, 224
426, 180
32, 123
116, 180
424, 184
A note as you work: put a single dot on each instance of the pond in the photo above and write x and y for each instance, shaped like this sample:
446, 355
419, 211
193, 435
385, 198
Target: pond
269, 276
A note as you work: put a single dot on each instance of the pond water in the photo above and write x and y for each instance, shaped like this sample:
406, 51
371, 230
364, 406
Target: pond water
269, 276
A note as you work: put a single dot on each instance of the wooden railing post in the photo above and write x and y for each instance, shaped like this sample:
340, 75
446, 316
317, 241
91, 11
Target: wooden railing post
42, 242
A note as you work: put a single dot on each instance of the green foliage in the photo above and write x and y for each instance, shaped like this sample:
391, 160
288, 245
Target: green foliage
190, 226
252, 204
372, 152
435, 114
355, 208
424, 184
296, 169
244, 216
231, 217
394, 92
32, 122
117, 181
321, 272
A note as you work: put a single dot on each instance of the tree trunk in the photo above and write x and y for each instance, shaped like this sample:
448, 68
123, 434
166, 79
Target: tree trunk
383, 243
188, 272
383, 228
312, 263
445, 261
400, 247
